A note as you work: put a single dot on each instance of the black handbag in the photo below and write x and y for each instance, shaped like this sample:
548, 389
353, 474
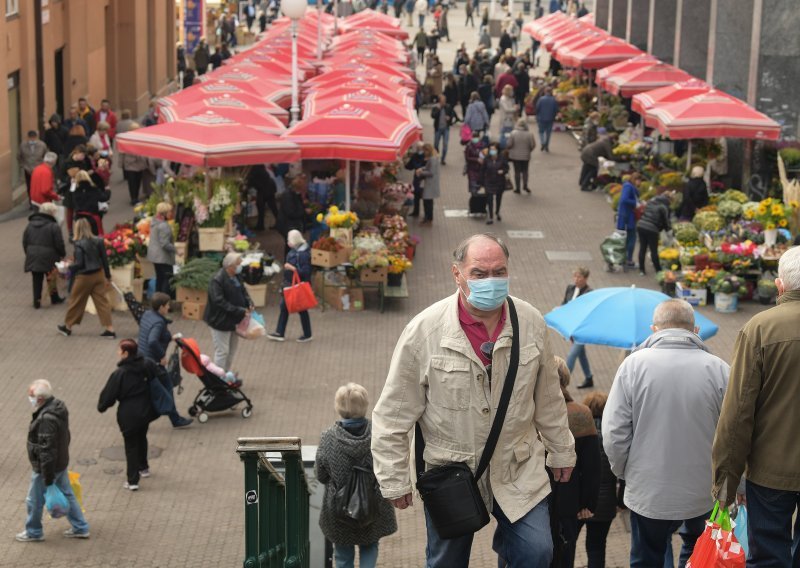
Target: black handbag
450, 492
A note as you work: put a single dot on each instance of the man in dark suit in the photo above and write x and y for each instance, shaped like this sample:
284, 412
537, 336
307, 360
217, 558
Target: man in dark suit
579, 287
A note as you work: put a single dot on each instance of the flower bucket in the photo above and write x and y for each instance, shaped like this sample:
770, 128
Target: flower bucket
770, 237
395, 279
122, 276
344, 236
211, 239
726, 303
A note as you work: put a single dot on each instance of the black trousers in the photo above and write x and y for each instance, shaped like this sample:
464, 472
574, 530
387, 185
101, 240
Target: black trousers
264, 198
493, 202
38, 285
418, 189
421, 55
596, 535
134, 183
427, 205
648, 239
163, 274
28, 184
588, 173
136, 453
520, 174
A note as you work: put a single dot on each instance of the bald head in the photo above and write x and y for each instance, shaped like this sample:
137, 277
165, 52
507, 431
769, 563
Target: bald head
481, 240
673, 314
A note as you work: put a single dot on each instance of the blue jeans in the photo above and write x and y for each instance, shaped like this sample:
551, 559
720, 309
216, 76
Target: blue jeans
345, 555
545, 129
769, 527
442, 134
651, 538
578, 351
527, 542
35, 503
283, 319
630, 243
504, 132
421, 19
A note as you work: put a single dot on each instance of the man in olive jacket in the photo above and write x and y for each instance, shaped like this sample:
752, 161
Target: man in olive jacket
759, 424
228, 304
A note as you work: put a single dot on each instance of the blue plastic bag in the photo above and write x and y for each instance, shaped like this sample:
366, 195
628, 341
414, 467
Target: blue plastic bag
55, 501
740, 531
258, 317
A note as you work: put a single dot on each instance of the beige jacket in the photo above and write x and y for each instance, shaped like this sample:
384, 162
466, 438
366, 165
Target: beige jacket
436, 378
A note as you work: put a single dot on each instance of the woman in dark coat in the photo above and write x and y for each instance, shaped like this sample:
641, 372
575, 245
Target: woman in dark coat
495, 169
597, 526
486, 92
576, 500
86, 201
473, 155
695, 194
344, 445
44, 246
297, 261
128, 385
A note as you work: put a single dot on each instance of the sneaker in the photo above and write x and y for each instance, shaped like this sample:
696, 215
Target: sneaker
499, 218
489, 222
587, 384
182, 423
63, 330
55, 300
275, 337
108, 335
25, 537
304, 339
130, 486
144, 473
527, 190
71, 533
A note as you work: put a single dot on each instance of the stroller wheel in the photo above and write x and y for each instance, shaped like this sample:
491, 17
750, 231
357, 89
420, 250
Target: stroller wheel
192, 411
202, 418
247, 412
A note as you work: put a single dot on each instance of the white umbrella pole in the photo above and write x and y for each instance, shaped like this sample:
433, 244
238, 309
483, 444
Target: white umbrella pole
689, 157
355, 188
347, 185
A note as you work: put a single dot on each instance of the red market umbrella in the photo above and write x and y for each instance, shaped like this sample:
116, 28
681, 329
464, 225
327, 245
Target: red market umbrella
373, 16
371, 54
366, 36
567, 32
208, 142
345, 63
537, 27
713, 114
623, 67
397, 33
252, 117
646, 79
216, 88
583, 39
401, 108
252, 77
387, 90
669, 94
600, 54
241, 100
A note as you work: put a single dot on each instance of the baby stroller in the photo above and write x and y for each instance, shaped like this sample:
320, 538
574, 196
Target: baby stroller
216, 394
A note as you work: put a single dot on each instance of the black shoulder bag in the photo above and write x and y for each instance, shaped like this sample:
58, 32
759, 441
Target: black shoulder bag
450, 492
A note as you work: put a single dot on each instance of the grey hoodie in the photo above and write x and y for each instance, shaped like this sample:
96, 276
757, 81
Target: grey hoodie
659, 423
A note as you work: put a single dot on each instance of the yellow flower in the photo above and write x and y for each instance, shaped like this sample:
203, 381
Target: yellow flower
767, 201
794, 204
770, 226
783, 222
748, 214
674, 267
319, 217
334, 209
762, 209
777, 210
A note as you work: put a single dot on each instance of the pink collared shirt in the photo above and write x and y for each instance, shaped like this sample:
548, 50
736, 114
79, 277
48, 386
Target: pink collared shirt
476, 331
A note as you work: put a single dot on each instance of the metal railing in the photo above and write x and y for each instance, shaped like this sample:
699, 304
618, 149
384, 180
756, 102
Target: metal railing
275, 506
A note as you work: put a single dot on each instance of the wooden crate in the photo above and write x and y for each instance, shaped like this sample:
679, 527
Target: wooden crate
380, 274
193, 310
328, 259
258, 293
190, 295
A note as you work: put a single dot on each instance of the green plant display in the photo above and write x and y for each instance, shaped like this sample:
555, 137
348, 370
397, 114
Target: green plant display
196, 274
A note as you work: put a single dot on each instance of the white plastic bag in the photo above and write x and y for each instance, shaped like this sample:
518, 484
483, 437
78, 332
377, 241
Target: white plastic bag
251, 327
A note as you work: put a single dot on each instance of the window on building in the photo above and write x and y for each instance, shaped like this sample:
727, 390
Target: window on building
12, 7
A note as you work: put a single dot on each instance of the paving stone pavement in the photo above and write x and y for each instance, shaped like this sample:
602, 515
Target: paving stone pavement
190, 511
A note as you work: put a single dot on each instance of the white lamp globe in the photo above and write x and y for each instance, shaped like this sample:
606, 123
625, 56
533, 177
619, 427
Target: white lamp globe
294, 9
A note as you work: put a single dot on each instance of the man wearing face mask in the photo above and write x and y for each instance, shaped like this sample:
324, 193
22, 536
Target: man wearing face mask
446, 375
48, 452
228, 303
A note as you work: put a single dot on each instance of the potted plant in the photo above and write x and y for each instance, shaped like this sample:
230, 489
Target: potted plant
772, 213
727, 289
212, 216
191, 283
122, 246
668, 281
767, 290
341, 223
398, 264
371, 257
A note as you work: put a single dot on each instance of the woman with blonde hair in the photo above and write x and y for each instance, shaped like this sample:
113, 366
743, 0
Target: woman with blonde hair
161, 249
341, 448
91, 277
101, 140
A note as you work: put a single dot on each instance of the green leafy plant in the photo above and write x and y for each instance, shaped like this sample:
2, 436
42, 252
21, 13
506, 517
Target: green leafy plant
767, 288
730, 209
726, 283
734, 195
196, 274
791, 157
710, 221
686, 234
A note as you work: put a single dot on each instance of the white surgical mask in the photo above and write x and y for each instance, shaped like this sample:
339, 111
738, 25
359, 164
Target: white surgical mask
34, 401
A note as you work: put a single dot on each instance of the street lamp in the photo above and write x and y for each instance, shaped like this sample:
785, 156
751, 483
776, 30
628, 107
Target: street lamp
294, 10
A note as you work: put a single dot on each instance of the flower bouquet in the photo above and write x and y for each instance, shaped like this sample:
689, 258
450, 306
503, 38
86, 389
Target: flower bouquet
336, 219
709, 221
371, 257
122, 246
398, 264
687, 234
772, 214
327, 252
698, 280
394, 231
669, 255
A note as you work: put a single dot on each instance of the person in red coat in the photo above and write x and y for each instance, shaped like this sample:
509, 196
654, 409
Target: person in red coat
504, 79
105, 114
42, 181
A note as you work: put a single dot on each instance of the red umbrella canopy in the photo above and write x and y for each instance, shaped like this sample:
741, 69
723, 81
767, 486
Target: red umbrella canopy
713, 114
353, 133
320, 103
366, 36
387, 90
372, 15
669, 94
646, 79
241, 101
601, 54
397, 33
584, 39
257, 79
567, 31
539, 25
373, 53
208, 141
623, 67
219, 88
252, 117
347, 64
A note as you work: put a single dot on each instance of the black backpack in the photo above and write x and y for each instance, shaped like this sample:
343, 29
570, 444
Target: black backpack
358, 499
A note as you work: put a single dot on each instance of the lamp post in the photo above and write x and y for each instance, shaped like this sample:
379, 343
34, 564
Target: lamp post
294, 10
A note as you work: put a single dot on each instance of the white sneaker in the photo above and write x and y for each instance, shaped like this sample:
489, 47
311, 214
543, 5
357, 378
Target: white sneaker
25, 537
131, 487
71, 533
144, 473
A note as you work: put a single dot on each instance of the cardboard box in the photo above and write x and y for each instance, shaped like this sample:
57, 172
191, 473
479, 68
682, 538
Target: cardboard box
258, 293
344, 299
180, 253
380, 274
138, 288
328, 259
694, 296
193, 310
190, 295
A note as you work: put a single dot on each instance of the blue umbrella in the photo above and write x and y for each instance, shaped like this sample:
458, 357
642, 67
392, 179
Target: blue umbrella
617, 317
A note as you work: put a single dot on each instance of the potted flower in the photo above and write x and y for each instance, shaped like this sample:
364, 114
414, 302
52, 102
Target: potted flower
771, 213
191, 282
212, 216
727, 289
668, 281
327, 252
767, 290
370, 257
398, 264
122, 246
341, 223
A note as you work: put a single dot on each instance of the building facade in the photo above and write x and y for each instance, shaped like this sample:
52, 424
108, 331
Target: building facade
55, 51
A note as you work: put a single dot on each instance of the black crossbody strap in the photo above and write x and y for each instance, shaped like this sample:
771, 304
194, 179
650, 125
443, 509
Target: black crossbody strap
505, 396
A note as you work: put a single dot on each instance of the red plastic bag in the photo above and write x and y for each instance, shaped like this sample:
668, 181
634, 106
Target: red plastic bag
466, 133
717, 547
299, 297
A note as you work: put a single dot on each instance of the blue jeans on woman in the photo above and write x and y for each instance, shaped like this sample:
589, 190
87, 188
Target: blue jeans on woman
345, 555
283, 319
35, 504
769, 526
527, 542
630, 244
652, 538
578, 351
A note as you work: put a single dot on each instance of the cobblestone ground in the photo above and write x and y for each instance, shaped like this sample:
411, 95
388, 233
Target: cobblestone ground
190, 511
